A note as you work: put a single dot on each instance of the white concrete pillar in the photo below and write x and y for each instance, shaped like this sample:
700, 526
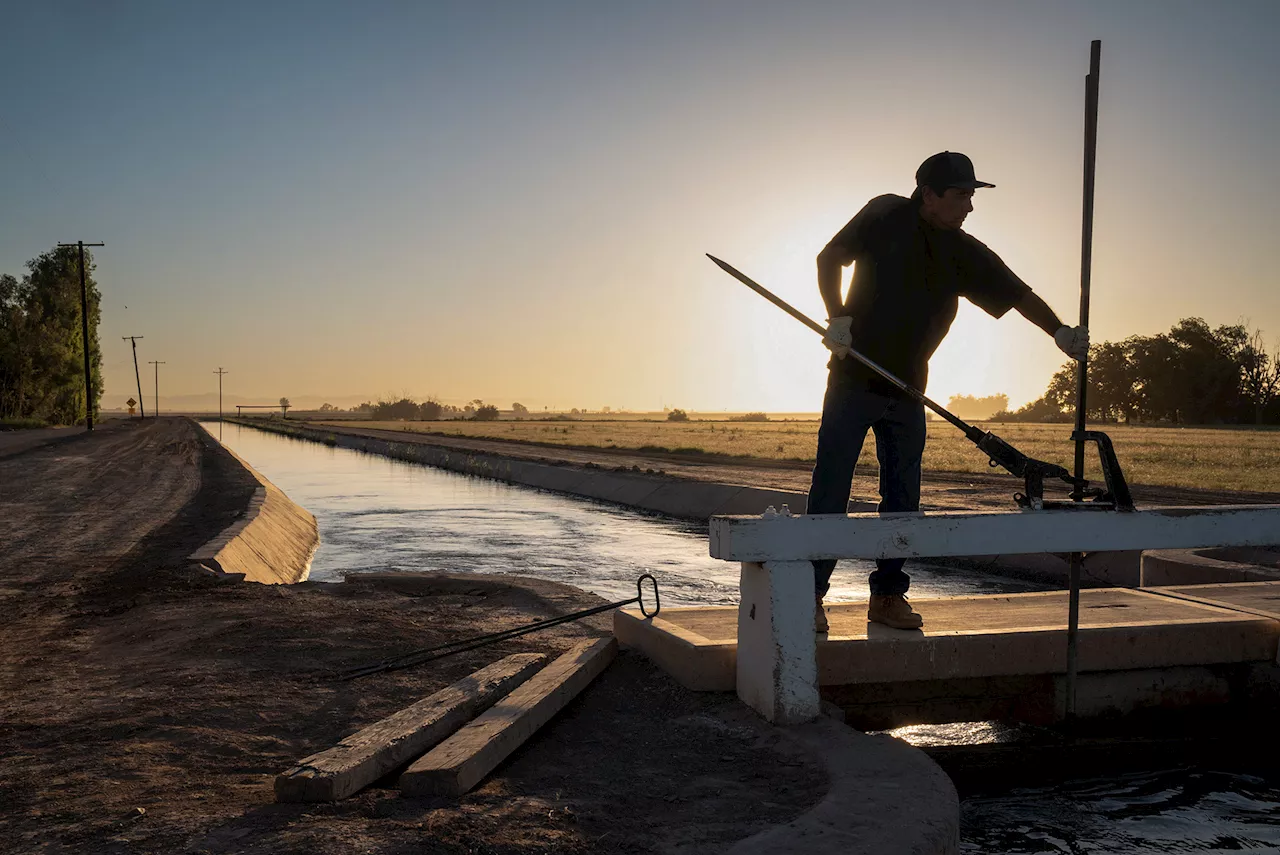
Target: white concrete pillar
777, 649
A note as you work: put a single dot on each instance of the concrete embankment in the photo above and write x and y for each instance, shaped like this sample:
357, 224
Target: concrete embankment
691, 500
272, 543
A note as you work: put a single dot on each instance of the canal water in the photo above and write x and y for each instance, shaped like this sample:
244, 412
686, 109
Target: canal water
375, 513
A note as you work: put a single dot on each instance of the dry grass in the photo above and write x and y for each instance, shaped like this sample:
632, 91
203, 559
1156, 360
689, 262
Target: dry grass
1213, 458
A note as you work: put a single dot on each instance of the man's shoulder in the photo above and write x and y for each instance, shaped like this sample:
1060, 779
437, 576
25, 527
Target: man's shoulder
883, 206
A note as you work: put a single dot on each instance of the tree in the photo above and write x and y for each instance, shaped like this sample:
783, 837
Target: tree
405, 409
430, 410
486, 412
519, 409
41, 341
677, 416
1259, 374
328, 408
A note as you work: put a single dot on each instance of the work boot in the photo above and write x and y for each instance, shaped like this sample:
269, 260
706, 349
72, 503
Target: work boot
820, 624
893, 610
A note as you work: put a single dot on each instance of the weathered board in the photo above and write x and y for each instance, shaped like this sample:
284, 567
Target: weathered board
382, 747
459, 763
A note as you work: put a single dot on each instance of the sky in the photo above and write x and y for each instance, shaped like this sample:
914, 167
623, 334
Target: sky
511, 200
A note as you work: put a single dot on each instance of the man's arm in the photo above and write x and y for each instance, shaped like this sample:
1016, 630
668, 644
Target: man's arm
1073, 341
1038, 312
831, 264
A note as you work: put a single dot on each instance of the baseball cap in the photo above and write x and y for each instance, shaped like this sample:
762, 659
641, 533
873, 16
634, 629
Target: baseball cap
948, 169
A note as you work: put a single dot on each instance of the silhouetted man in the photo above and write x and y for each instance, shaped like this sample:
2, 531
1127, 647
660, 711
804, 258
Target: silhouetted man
913, 263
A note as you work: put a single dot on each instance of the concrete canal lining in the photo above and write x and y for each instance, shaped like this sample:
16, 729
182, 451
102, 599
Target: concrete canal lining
273, 541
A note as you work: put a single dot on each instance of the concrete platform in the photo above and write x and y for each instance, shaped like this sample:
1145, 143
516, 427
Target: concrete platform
987, 636
1257, 598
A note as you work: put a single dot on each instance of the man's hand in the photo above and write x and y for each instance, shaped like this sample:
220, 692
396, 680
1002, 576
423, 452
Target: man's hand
1073, 341
838, 336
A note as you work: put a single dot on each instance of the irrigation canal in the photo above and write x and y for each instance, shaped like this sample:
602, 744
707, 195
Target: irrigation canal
376, 513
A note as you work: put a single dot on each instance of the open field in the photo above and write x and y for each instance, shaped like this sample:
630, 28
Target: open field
1214, 458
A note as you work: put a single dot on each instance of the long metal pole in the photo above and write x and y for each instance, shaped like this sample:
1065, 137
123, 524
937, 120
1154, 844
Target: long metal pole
969, 429
1082, 370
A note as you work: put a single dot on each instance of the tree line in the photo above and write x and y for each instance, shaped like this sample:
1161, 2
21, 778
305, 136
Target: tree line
430, 410
1192, 374
41, 342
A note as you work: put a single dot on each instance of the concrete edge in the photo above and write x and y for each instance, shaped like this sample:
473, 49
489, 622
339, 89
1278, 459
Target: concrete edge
696, 666
272, 543
1167, 567
885, 797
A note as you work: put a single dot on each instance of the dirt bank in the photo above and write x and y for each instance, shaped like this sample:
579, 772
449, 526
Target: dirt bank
130, 680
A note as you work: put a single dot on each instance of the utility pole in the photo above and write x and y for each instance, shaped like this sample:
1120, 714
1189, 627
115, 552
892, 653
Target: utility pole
84, 330
134, 338
220, 372
157, 365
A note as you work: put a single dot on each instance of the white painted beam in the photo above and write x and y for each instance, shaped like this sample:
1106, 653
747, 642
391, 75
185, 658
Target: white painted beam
950, 533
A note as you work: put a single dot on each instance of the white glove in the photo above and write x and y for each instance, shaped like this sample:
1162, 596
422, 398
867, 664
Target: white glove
838, 338
1073, 341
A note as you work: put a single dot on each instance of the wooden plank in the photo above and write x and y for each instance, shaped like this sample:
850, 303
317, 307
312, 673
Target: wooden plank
382, 747
945, 533
459, 763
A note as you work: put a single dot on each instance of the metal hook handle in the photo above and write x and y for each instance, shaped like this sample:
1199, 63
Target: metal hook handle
657, 601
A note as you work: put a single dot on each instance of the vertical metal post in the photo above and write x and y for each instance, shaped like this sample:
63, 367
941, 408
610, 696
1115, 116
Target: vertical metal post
1082, 370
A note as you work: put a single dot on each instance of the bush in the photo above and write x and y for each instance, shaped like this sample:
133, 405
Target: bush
750, 417
430, 410
677, 416
486, 413
22, 424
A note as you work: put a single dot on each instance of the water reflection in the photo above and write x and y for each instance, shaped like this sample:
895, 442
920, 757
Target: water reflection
376, 513
1183, 810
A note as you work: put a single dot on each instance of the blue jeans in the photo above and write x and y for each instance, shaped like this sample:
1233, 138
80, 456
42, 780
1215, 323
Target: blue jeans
848, 410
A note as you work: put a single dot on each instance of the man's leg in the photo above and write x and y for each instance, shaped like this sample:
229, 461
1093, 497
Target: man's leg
900, 437
847, 411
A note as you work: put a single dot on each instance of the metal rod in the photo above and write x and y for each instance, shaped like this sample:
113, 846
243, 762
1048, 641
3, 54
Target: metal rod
1082, 370
822, 331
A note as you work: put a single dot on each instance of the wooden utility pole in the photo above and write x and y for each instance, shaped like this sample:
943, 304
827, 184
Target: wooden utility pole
142, 410
84, 331
220, 372
157, 365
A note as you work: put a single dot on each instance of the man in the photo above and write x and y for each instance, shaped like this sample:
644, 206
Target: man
913, 263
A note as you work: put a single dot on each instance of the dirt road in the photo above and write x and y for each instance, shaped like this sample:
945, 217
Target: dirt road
146, 706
